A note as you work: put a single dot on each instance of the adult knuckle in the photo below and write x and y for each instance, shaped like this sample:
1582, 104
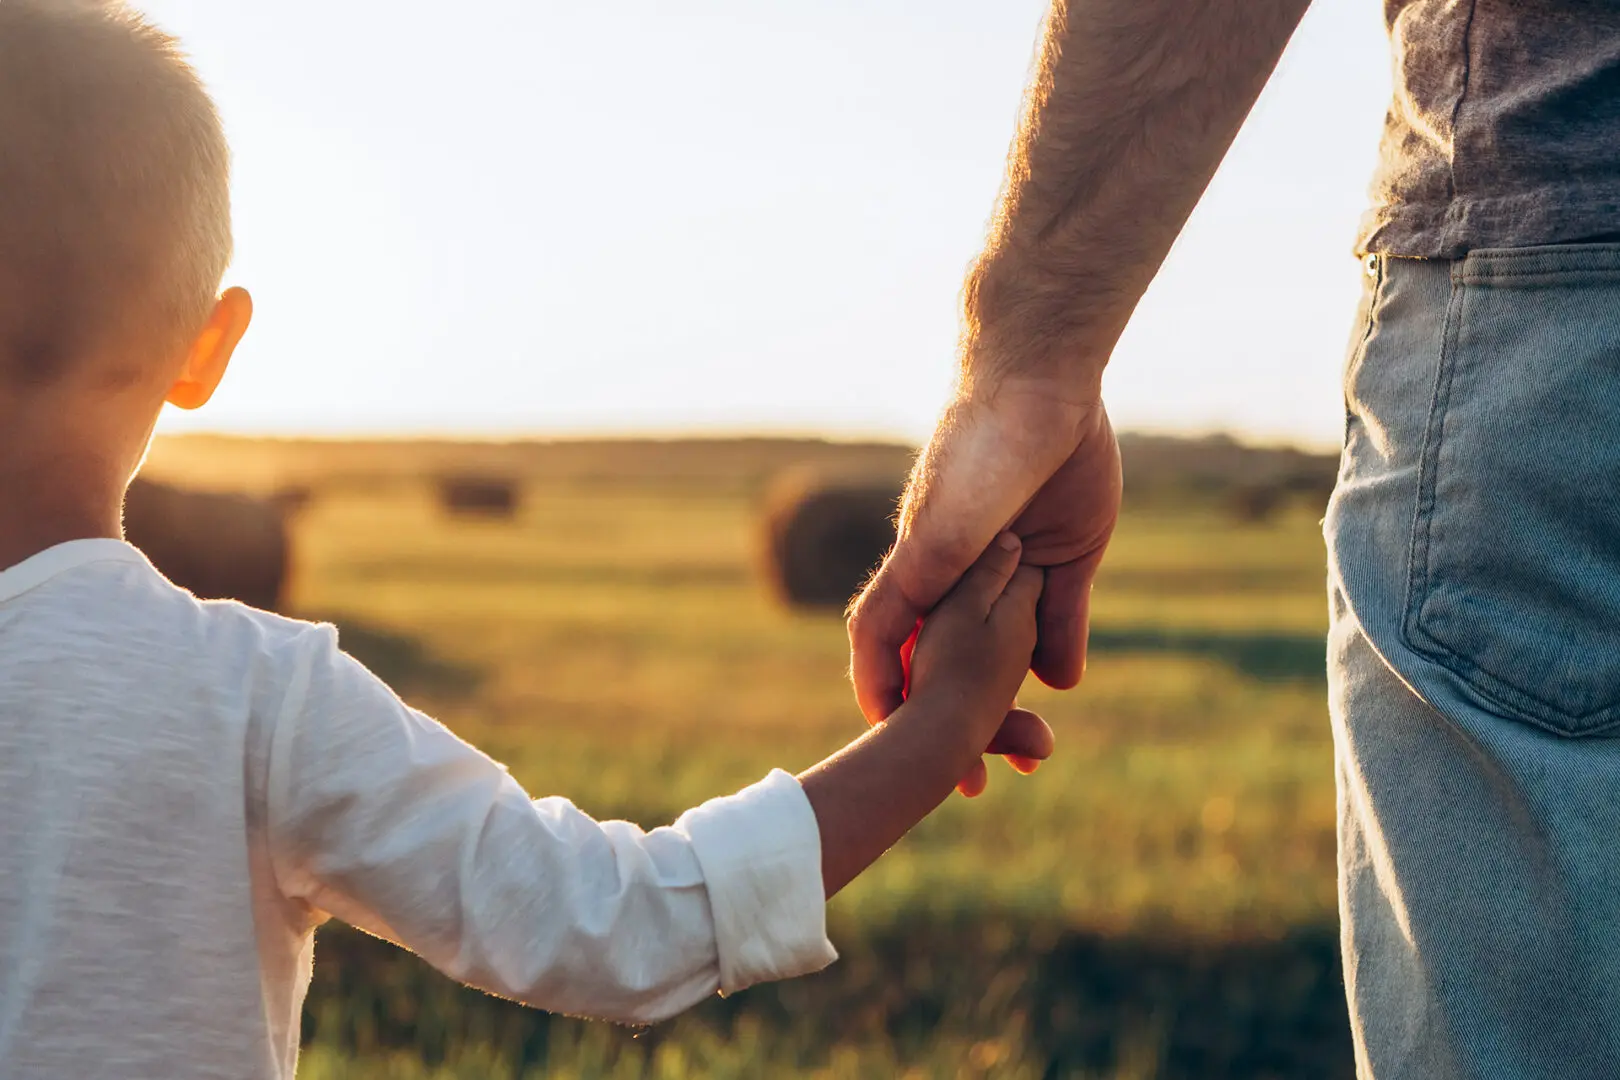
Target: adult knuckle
858, 615
855, 618
928, 543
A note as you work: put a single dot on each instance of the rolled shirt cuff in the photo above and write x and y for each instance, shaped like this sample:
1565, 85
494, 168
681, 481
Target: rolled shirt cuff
760, 852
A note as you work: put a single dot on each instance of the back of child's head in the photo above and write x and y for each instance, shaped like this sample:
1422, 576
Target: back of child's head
114, 194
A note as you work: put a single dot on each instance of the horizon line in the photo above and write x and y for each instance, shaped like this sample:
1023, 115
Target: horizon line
714, 433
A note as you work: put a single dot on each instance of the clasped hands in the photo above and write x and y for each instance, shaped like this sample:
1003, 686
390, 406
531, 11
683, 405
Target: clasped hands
1022, 458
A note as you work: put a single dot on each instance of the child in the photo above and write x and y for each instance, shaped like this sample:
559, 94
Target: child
187, 789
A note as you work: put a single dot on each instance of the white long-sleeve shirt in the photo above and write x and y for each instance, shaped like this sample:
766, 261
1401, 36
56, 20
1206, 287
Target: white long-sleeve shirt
188, 789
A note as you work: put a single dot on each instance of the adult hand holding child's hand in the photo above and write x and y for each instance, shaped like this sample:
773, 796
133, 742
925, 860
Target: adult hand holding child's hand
1024, 454
972, 653
970, 659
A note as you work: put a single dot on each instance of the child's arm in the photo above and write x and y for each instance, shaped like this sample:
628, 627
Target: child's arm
969, 663
380, 816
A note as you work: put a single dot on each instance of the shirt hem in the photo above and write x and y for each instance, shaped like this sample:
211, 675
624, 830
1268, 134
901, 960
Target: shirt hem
1557, 214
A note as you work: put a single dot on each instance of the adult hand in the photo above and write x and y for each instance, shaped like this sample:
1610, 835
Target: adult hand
1016, 455
1111, 156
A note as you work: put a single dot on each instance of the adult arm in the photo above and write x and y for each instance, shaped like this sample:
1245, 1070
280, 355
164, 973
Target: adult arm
1132, 106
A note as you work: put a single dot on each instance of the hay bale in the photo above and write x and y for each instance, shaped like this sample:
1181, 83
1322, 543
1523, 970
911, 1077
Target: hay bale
1260, 503
218, 545
292, 498
1255, 504
824, 537
479, 496
1314, 488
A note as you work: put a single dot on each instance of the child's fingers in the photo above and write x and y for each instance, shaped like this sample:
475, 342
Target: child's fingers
977, 779
1022, 592
1023, 734
985, 580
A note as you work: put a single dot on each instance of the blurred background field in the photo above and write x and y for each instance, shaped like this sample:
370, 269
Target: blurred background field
1157, 901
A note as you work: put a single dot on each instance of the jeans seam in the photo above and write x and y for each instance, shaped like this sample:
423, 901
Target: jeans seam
1552, 264
1571, 276
1358, 354
1417, 577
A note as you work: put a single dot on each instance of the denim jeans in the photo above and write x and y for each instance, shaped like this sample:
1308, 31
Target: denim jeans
1474, 666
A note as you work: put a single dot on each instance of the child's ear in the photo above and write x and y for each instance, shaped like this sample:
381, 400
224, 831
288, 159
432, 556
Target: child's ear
210, 353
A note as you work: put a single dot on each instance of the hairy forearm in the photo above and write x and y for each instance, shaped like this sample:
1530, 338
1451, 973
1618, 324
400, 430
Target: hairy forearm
870, 794
1131, 108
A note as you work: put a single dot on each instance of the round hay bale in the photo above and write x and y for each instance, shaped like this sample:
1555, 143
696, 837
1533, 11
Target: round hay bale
293, 498
1315, 488
823, 538
479, 496
218, 545
1255, 504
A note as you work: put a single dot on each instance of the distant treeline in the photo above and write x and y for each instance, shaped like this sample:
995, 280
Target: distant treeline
1252, 482
1216, 470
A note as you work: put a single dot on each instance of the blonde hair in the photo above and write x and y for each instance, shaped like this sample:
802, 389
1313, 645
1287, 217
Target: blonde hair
115, 224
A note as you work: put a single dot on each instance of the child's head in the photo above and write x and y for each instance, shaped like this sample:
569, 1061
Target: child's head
114, 229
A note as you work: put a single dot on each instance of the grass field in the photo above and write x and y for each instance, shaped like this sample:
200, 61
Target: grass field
1157, 901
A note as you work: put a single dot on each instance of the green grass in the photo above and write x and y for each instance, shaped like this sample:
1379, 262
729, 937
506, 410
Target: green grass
1157, 901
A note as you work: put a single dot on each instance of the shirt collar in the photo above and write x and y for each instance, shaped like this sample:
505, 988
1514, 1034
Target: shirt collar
38, 569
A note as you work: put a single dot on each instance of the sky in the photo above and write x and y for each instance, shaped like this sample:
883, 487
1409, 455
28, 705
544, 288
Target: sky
529, 217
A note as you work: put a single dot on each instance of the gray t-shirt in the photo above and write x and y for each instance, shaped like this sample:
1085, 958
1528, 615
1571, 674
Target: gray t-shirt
1504, 130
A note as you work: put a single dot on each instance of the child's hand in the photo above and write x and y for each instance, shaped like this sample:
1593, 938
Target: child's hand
975, 647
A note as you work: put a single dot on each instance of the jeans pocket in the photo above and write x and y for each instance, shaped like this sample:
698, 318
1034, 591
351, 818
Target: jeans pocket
1515, 568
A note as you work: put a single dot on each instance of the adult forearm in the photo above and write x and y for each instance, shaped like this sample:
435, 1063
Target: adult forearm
1132, 106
